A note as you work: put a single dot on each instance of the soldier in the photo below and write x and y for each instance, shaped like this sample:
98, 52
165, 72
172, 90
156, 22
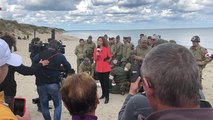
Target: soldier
141, 50
149, 40
172, 41
132, 47
106, 37
131, 44
199, 54
119, 78
126, 49
141, 35
156, 40
80, 52
112, 46
90, 45
85, 66
118, 49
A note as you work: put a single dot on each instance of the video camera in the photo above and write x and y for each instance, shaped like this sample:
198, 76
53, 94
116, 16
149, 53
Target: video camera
36, 46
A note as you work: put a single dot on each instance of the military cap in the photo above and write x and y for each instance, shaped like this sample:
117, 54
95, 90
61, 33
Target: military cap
195, 39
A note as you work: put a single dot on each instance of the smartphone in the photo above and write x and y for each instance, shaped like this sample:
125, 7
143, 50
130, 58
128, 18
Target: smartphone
19, 106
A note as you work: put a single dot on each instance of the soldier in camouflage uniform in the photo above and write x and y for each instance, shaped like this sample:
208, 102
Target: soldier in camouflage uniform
141, 35
85, 66
156, 40
106, 37
141, 50
118, 49
90, 45
80, 52
126, 49
119, 78
112, 46
199, 54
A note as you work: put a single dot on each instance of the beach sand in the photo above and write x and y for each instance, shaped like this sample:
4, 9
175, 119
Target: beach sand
26, 84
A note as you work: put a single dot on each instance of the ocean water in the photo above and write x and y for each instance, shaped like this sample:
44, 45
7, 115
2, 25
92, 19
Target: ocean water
180, 35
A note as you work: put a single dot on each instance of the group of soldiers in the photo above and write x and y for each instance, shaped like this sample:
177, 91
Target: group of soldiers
126, 58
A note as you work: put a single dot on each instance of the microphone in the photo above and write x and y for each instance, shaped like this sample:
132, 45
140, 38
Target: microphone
99, 48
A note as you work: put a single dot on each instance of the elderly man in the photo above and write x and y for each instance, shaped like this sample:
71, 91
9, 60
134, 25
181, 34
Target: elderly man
170, 78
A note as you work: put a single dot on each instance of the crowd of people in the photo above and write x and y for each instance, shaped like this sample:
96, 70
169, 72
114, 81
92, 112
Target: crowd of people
125, 59
157, 66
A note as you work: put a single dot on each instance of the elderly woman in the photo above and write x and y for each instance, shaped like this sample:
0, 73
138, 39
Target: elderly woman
79, 94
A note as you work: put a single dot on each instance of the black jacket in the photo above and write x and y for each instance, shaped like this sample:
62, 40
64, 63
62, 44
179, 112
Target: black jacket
9, 84
51, 73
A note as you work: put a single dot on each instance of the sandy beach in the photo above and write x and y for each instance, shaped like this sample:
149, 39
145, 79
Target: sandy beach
26, 84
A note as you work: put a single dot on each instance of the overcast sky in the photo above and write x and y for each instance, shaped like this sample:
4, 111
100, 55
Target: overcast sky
110, 14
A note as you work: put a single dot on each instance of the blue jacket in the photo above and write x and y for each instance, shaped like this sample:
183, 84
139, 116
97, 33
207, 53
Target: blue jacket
51, 73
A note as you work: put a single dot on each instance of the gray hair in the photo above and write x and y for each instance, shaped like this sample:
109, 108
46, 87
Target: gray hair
173, 74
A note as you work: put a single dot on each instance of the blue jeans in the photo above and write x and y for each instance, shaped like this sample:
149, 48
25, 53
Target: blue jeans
51, 90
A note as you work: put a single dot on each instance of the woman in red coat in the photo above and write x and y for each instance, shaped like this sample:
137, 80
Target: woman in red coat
102, 59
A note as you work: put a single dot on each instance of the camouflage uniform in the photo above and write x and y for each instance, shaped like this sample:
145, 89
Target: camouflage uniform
199, 54
118, 51
119, 76
126, 51
85, 68
80, 52
112, 49
89, 50
140, 52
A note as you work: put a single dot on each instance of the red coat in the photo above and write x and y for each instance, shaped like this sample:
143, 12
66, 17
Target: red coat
101, 65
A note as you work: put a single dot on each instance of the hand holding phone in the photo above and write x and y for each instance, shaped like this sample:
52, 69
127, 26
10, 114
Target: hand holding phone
19, 106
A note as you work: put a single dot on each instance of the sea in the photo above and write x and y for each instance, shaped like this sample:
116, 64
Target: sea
181, 35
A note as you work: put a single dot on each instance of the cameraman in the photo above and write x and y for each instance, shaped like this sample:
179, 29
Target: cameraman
48, 78
35, 47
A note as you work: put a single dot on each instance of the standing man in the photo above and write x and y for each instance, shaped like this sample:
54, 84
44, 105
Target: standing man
90, 45
126, 49
48, 79
112, 46
80, 52
141, 50
118, 49
199, 55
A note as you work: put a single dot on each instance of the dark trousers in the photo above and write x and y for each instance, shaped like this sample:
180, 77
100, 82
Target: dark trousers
104, 80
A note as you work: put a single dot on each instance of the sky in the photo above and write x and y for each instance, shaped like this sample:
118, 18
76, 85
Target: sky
110, 14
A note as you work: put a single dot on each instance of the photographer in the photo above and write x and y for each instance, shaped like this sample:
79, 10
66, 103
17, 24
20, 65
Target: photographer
163, 74
48, 78
35, 47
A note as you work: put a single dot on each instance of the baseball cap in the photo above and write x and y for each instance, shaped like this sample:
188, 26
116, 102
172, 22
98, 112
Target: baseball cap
6, 57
